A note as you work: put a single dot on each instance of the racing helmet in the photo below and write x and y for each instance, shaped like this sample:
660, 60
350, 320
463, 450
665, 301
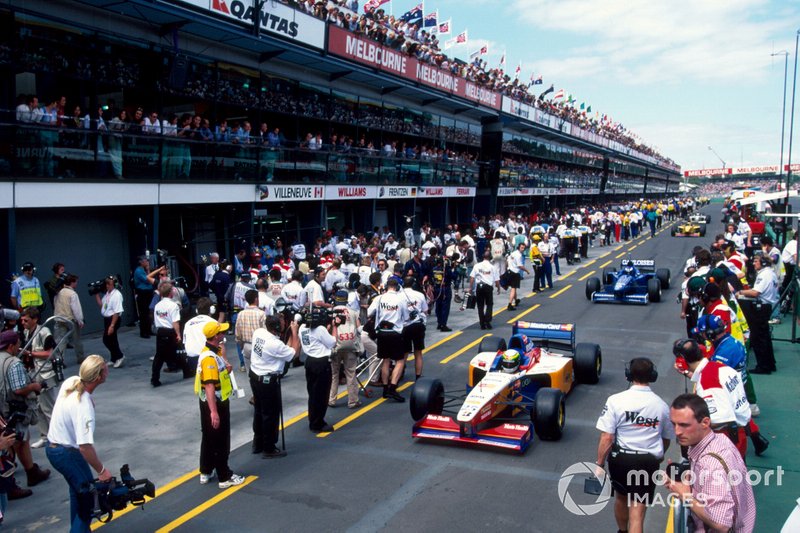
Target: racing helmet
710, 326
509, 362
627, 266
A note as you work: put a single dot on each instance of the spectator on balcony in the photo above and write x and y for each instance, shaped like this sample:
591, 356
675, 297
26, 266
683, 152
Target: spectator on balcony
151, 124
274, 138
263, 134
204, 133
169, 127
221, 133
316, 142
118, 126
136, 125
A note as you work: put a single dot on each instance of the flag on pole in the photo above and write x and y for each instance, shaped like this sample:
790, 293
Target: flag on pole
559, 94
413, 15
461, 38
444, 27
483, 50
372, 5
431, 20
589, 109
570, 99
449, 43
537, 81
546, 92
517, 72
503, 61
583, 106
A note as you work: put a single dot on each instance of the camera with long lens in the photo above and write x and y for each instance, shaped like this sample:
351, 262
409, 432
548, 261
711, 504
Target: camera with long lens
317, 316
13, 423
8, 315
115, 495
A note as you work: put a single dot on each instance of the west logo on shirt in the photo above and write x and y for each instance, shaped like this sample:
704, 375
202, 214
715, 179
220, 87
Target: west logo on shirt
389, 307
641, 421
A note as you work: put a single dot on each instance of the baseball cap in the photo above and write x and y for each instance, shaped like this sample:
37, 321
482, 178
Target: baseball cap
8, 338
213, 328
717, 273
696, 284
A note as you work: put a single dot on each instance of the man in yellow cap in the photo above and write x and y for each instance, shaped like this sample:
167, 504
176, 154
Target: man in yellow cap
213, 386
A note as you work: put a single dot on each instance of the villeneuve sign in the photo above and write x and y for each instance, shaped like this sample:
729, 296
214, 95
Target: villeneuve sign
299, 193
345, 44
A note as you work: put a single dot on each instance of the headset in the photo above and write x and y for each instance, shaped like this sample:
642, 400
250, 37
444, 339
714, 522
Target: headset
28, 266
651, 378
680, 351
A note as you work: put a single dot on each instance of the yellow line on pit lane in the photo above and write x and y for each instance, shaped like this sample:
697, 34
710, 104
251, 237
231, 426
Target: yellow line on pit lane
565, 276
586, 275
364, 410
464, 349
205, 506
559, 292
437, 344
588, 263
604, 255
522, 314
632, 247
605, 264
620, 255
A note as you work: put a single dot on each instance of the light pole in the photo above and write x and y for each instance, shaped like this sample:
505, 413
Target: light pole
791, 129
718, 157
785, 55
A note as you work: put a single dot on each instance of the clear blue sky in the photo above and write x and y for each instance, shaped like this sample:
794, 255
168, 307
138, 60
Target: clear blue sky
683, 74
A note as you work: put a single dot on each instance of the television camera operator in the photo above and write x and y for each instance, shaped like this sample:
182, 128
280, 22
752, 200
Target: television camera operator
318, 338
71, 450
268, 357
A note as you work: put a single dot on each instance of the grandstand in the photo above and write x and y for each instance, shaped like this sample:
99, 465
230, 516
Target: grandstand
182, 124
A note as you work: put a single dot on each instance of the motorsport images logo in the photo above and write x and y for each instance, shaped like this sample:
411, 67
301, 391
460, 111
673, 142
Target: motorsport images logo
564, 495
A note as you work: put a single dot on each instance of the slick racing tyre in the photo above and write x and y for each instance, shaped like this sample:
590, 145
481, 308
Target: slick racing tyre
548, 414
654, 290
608, 275
663, 276
427, 398
588, 363
492, 344
702, 230
674, 232
592, 286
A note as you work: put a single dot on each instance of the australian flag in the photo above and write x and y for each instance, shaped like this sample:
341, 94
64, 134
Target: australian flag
431, 20
413, 16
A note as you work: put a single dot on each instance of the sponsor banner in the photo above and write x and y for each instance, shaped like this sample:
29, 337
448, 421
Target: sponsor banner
707, 172
276, 19
367, 52
795, 167
444, 192
347, 192
544, 191
289, 193
391, 191
463, 191
512, 107
771, 169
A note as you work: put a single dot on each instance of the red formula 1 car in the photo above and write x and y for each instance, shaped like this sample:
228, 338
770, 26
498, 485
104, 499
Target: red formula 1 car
551, 363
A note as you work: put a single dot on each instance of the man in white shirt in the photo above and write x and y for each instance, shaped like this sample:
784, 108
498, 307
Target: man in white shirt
789, 258
212, 268
317, 341
415, 325
391, 313
314, 295
515, 266
483, 276
757, 304
111, 309
167, 320
334, 276
546, 272
635, 431
68, 304
293, 291
268, 357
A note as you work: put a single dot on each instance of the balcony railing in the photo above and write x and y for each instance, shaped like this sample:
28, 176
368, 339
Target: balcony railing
40, 152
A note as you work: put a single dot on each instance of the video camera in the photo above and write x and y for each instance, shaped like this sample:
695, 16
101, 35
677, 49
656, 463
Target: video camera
99, 286
8, 315
318, 316
115, 495
12, 423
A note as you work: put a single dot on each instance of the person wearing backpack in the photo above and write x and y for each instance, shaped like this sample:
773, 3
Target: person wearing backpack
498, 248
346, 352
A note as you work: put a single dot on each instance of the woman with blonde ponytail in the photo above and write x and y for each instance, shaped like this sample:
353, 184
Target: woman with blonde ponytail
71, 436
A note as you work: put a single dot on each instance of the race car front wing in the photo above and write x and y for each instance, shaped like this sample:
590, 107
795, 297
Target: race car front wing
610, 297
507, 435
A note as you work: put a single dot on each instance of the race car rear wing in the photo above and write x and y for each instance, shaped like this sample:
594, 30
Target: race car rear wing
645, 265
547, 334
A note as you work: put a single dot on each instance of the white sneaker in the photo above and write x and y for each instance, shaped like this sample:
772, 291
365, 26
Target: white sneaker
204, 479
233, 481
754, 411
118, 362
152, 357
43, 442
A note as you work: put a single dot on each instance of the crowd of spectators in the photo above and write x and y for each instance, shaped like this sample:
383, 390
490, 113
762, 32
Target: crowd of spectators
413, 40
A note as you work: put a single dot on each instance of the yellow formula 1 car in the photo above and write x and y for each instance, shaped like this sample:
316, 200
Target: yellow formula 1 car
689, 229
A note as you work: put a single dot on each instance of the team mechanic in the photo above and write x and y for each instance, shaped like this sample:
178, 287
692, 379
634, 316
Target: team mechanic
721, 388
391, 312
484, 275
635, 432
267, 359
71, 449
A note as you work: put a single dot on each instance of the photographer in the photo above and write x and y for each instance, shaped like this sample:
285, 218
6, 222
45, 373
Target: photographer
111, 309
68, 304
143, 280
267, 360
54, 284
39, 354
71, 450
346, 352
18, 395
318, 339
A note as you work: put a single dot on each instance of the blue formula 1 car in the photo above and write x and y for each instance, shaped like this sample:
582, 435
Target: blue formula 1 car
636, 282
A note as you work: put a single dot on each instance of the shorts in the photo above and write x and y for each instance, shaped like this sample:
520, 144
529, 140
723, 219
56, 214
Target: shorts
414, 337
632, 473
390, 345
513, 279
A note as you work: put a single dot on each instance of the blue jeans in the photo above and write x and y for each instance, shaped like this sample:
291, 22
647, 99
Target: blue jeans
239, 351
71, 464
